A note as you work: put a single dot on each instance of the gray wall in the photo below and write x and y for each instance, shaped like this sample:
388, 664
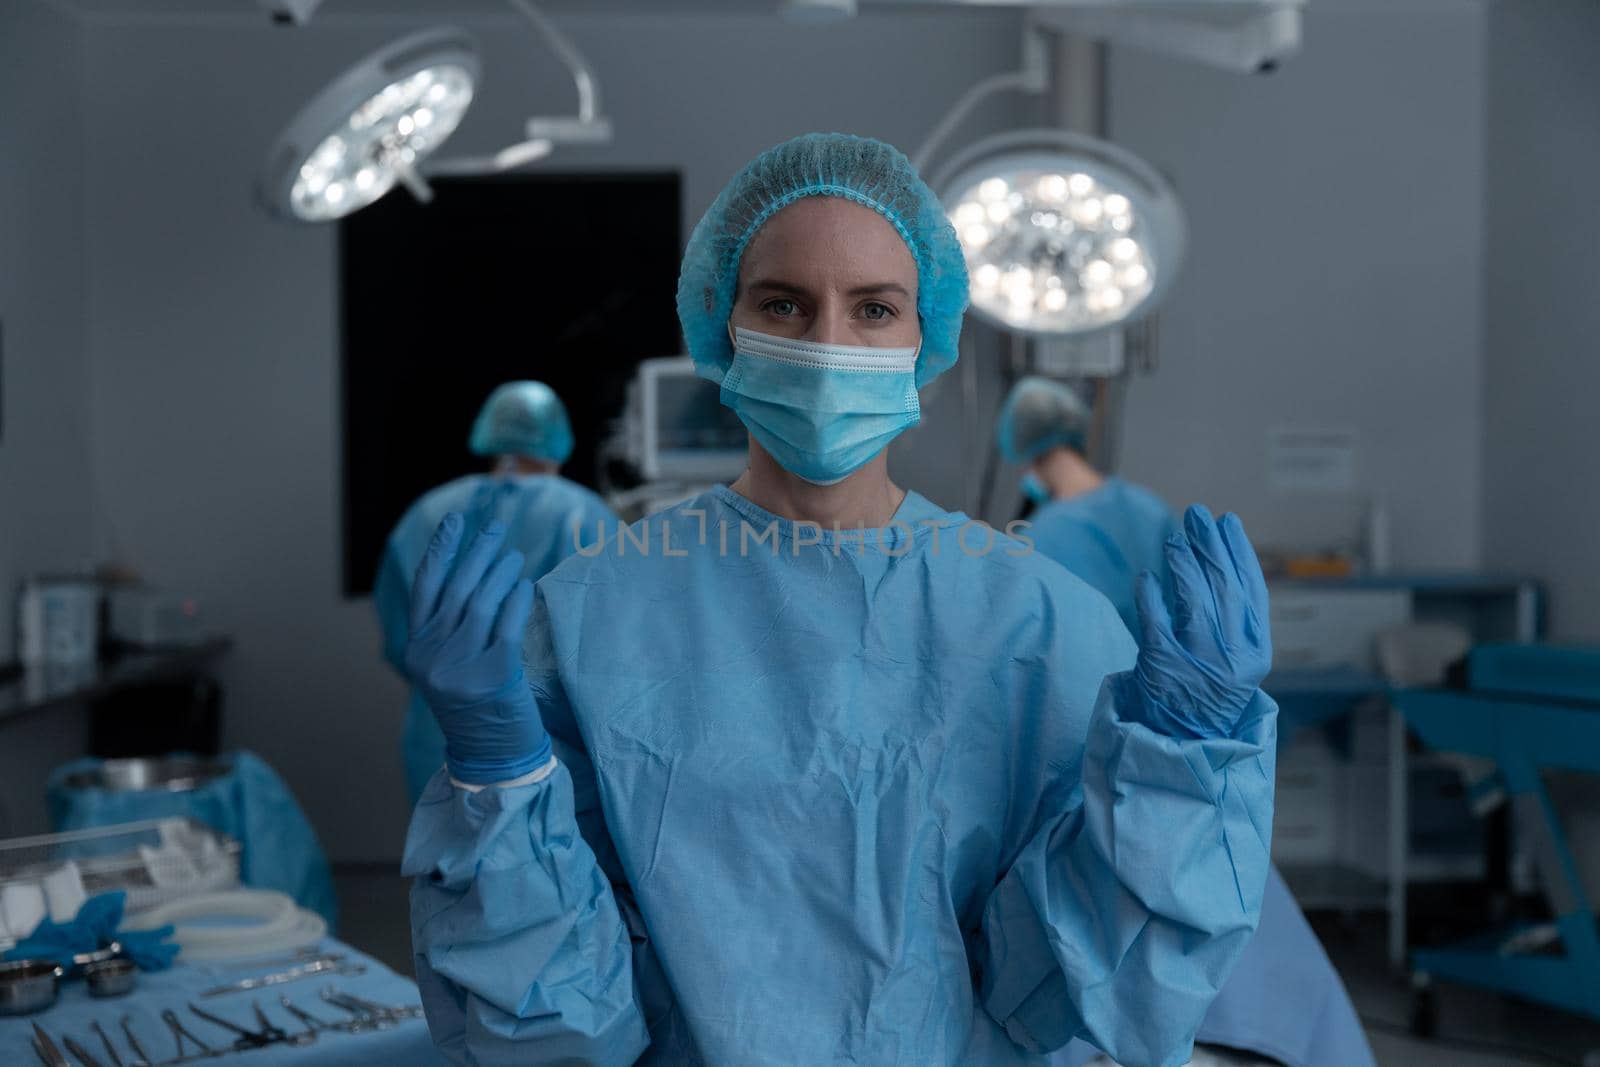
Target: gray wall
46, 492
1334, 280
1542, 340
1336, 252
45, 518
213, 329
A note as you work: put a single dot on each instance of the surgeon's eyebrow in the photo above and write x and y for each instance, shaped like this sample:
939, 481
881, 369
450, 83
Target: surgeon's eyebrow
880, 289
777, 285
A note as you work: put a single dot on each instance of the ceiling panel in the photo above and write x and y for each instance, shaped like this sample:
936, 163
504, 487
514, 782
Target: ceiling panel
210, 9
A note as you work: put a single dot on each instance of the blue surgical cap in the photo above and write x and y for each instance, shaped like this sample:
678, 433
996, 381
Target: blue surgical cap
1040, 414
523, 419
868, 172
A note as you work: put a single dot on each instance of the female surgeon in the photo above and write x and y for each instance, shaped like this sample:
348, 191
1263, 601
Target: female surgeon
805, 770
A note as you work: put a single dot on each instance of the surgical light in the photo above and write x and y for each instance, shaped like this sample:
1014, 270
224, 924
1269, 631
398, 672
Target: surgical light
1063, 234
371, 128
381, 123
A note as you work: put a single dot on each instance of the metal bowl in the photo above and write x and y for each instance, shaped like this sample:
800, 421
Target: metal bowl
173, 774
84, 960
28, 986
110, 978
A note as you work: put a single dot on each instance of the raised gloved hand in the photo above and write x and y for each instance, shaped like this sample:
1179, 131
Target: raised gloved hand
465, 655
1199, 669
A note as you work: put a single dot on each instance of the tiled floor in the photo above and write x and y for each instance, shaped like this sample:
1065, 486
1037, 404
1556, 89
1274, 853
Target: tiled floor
1479, 1028
1482, 1030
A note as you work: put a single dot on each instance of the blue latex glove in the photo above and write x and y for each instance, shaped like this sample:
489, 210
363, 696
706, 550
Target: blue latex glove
149, 949
94, 927
465, 654
1199, 668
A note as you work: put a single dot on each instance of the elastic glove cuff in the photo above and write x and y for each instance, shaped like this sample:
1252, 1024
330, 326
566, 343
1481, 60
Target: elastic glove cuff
512, 695
1166, 719
489, 771
498, 738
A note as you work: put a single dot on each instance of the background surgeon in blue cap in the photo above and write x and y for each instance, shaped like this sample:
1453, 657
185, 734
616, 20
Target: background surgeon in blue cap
524, 432
858, 796
1105, 530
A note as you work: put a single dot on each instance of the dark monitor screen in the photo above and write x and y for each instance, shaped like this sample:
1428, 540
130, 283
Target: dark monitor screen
690, 415
566, 278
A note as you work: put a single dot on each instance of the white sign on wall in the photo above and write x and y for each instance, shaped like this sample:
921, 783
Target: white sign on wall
1312, 460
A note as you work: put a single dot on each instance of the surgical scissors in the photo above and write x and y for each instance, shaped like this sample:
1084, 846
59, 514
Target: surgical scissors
175, 1024
368, 1015
111, 1050
247, 1038
309, 1021
78, 1051
47, 1049
277, 1033
334, 964
133, 1043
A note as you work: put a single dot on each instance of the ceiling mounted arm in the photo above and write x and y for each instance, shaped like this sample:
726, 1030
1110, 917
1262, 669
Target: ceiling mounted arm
543, 133
1032, 77
559, 43
1243, 36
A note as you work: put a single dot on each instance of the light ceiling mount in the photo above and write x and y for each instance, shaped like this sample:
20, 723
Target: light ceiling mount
817, 12
290, 12
542, 134
1243, 36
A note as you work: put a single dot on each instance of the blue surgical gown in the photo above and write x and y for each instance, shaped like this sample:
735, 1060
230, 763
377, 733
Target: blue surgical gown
1108, 537
822, 798
1283, 999
539, 512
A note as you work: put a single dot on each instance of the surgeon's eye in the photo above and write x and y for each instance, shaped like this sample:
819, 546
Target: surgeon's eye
781, 307
877, 312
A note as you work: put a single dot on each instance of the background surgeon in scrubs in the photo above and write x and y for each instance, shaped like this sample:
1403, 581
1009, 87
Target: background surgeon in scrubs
1103, 529
806, 771
524, 431
1284, 1000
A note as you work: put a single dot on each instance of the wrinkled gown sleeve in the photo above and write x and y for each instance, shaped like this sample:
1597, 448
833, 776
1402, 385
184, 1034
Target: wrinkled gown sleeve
1123, 912
523, 949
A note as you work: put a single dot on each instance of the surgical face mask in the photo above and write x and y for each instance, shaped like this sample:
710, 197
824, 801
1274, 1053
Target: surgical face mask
821, 411
1034, 489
